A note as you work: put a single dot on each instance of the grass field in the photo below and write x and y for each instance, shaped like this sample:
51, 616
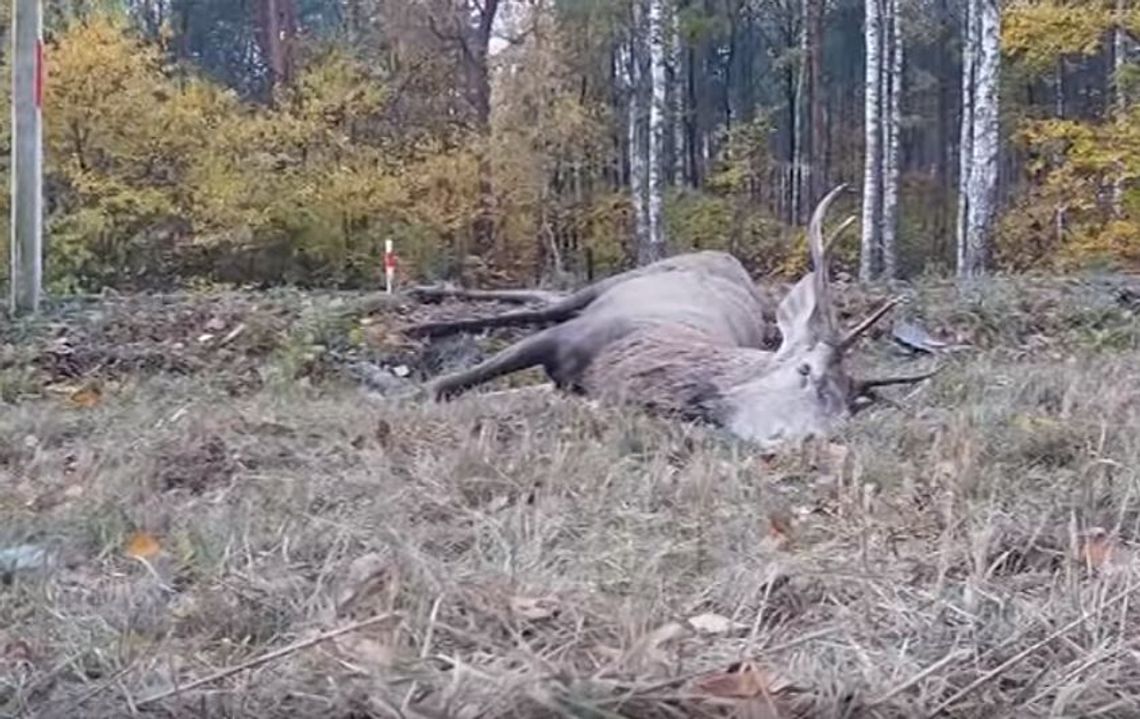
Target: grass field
212, 490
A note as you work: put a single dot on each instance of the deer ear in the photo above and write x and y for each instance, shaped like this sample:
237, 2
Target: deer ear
796, 316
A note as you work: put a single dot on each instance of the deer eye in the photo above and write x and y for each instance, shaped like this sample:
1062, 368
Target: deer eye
804, 369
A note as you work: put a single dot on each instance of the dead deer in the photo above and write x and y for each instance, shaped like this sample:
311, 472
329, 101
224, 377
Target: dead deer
687, 336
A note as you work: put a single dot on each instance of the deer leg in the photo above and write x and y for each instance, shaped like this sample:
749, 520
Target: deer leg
538, 349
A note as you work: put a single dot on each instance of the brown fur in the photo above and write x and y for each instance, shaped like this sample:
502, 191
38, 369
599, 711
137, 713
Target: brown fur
706, 292
673, 370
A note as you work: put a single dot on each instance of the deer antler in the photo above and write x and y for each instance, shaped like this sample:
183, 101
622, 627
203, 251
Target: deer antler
837, 233
868, 322
865, 388
819, 253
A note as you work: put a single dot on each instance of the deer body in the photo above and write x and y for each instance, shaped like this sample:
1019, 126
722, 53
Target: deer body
707, 292
691, 335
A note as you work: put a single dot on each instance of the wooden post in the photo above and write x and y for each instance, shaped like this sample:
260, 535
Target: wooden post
27, 156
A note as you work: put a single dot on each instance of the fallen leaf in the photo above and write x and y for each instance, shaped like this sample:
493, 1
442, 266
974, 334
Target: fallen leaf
1098, 550
741, 682
779, 530
86, 397
710, 623
141, 545
535, 609
748, 687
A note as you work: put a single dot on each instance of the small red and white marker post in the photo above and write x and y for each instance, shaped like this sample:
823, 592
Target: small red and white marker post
26, 248
389, 266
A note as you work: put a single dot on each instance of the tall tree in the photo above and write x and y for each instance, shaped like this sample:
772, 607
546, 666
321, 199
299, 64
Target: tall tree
655, 249
873, 129
970, 44
640, 96
814, 168
981, 190
1121, 44
277, 32
892, 83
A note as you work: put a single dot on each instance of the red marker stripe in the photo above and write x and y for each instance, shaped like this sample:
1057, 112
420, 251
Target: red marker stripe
39, 73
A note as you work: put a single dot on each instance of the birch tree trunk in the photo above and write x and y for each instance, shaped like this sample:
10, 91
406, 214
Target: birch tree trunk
1120, 101
982, 209
893, 84
966, 136
796, 214
656, 247
873, 127
816, 163
638, 142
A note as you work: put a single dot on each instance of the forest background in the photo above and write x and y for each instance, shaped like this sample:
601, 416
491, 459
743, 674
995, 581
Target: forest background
262, 142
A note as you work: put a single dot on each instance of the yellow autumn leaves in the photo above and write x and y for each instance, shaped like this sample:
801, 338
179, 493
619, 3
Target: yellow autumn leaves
151, 168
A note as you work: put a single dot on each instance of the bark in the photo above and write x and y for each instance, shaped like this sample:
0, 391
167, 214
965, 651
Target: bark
966, 142
479, 94
815, 166
638, 145
893, 84
982, 209
678, 103
655, 250
1120, 48
277, 31
675, 99
692, 143
873, 128
798, 153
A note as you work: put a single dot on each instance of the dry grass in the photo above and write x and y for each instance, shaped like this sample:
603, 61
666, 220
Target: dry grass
542, 556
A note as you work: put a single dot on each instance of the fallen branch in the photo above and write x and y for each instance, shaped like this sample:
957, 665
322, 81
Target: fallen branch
269, 657
516, 297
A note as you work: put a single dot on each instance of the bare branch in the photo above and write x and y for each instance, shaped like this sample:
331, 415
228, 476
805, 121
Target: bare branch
519, 297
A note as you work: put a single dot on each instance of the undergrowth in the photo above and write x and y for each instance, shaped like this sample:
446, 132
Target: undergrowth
526, 554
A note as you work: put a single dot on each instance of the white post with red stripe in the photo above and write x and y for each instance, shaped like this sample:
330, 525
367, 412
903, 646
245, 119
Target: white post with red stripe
389, 266
27, 156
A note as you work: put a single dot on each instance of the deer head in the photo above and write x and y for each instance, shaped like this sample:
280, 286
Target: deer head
805, 390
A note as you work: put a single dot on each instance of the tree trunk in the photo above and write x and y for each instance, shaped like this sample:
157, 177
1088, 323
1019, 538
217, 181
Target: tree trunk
970, 42
277, 30
479, 95
655, 249
1120, 101
893, 85
873, 128
638, 142
982, 210
815, 166
799, 155
675, 97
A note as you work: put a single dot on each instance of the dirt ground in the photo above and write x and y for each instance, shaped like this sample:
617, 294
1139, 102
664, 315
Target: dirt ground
237, 504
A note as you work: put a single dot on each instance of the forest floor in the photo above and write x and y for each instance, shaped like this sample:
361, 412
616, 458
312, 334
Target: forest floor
197, 491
